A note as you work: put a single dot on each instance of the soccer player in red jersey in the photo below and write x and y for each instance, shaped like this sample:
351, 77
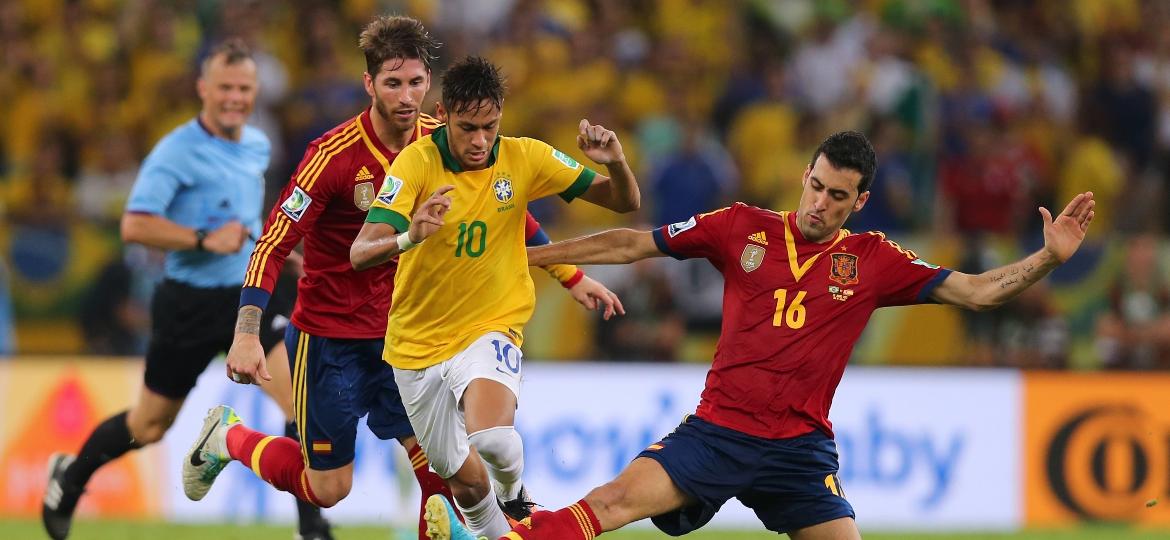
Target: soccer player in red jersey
798, 291
335, 338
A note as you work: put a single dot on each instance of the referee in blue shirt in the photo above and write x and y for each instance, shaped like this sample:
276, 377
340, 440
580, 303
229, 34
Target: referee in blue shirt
198, 196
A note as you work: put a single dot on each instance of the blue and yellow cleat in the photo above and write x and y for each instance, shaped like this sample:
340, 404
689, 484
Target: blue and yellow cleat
443, 524
209, 455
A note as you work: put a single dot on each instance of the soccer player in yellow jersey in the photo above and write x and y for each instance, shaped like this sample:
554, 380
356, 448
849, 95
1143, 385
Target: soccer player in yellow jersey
453, 206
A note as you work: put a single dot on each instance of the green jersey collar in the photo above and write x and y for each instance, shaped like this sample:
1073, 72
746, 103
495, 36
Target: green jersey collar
439, 136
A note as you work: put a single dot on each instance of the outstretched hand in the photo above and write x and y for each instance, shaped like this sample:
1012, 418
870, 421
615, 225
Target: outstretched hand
593, 295
1063, 236
599, 144
429, 216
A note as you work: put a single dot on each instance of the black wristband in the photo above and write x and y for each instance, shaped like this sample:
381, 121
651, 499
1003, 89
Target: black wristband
200, 234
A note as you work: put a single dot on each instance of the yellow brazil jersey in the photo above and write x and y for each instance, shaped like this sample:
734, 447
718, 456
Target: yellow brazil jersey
471, 276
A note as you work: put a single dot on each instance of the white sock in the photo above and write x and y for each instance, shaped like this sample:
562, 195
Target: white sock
485, 518
502, 451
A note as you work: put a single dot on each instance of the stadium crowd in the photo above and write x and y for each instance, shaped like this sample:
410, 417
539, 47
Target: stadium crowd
979, 110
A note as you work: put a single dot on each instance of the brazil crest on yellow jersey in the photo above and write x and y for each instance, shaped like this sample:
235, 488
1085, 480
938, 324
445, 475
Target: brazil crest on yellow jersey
471, 276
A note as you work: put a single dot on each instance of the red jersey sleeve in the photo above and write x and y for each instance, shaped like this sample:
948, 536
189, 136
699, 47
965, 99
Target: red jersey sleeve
905, 278
704, 235
300, 204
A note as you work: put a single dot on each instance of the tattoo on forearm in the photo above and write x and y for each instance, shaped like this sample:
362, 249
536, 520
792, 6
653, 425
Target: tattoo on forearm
1024, 272
248, 321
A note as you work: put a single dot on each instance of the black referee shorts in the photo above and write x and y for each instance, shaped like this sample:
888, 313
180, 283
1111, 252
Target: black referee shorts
192, 325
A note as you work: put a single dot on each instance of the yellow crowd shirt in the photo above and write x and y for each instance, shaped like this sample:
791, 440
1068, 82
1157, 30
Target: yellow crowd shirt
471, 276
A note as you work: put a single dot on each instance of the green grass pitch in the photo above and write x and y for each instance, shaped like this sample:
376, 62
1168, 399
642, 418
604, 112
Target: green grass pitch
123, 530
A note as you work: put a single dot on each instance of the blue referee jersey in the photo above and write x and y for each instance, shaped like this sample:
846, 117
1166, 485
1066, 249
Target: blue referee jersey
200, 181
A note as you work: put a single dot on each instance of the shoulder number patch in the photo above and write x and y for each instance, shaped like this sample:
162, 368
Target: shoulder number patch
564, 158
675, 228
297, 202
390, 188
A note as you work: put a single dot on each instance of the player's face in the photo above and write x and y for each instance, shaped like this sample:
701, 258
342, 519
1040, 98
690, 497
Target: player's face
228, 92
829, 196
397, 91
472, 132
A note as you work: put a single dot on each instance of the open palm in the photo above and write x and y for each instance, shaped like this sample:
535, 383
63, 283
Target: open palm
1064, 235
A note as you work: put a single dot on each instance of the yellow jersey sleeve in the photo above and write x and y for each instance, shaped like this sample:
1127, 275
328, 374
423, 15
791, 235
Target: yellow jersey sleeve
400, 191
555, 173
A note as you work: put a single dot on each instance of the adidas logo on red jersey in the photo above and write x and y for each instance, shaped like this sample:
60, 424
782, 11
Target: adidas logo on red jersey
363, 174
759, 238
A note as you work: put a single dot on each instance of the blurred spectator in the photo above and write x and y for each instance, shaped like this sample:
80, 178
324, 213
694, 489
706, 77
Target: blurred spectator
652, 328
1135, 332
7, 335
103, 187
1032, 333
891, 206
112, 322
1127, 107
698, 177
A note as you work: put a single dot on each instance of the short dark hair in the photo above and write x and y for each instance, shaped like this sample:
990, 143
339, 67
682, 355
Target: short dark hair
233, 50
469, 81
396, 36
849, 150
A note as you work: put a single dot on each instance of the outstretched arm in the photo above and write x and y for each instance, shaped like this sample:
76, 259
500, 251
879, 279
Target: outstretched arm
377, 243
618, 191
617, 246
1062, 238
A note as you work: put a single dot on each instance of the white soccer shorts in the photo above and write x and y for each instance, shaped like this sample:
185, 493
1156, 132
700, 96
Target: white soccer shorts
433, 396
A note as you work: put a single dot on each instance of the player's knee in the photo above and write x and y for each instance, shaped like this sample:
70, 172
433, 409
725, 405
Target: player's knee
328, 490
149, 430
500, 446
611, 502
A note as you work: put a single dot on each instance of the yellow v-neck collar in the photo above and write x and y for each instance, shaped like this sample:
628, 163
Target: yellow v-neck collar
799, 270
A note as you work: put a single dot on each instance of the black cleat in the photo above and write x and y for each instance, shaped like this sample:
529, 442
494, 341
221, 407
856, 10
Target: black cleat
60, 498
518, 509
313, 525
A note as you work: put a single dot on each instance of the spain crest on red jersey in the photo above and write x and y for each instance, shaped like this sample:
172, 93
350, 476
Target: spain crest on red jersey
844, 268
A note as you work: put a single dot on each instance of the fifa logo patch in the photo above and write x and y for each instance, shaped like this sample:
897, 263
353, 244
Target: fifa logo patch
752, 258
675, 228
363, 195
844, 269
390, 188
297, 202
564, 158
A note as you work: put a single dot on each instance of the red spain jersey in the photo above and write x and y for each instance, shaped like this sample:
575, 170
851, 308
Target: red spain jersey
792, 312
325, 204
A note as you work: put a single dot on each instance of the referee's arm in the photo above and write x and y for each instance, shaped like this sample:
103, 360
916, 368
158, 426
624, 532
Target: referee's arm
155, 231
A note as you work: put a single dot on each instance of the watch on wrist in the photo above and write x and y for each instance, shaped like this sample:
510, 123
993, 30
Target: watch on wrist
200, 234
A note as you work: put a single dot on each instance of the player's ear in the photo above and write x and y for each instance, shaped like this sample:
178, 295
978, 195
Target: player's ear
804, 177
857, 206
201, 88
368, 82
440, 112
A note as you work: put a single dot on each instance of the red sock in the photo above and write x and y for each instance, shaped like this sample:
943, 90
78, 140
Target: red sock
276, 460
577, 522
430, 483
